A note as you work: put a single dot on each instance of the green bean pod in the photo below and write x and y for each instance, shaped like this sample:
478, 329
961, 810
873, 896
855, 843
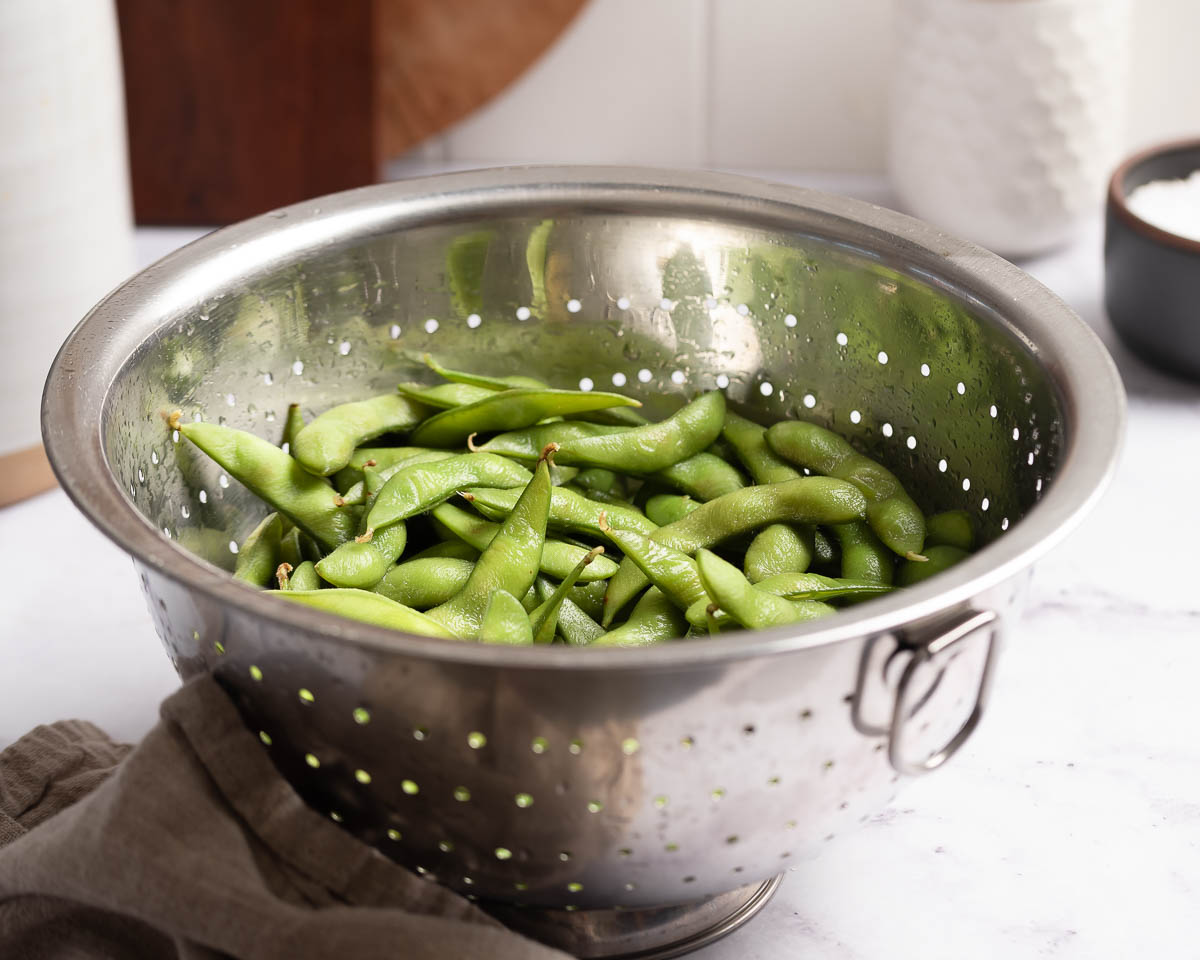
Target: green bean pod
569, 510
368, 608
417, 487
258, 556
510, 410
892, 513
505, 622
544, 617
940, 557
275, 477
778, 548
953, 528
654, 619
864, 555
425, 582
509, 563
558, 558
745, 603
703, 476
656, 446
671, 570
664, 508
362, 562
804, 500
326, 445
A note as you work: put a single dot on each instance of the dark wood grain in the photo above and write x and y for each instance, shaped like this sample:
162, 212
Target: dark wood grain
239, 106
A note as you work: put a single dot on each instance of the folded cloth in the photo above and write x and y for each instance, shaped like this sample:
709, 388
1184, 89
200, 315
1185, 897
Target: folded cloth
192, 847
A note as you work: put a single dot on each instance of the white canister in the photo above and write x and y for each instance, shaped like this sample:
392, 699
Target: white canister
1006, 115
66, 226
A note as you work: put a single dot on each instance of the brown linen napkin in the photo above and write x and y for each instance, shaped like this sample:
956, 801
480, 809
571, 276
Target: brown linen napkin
191, 847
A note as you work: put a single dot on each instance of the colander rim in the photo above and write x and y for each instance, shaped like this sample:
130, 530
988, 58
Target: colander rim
100, 345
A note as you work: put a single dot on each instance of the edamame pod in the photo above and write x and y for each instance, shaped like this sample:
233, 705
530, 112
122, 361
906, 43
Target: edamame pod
703, 476
544, 617
367, 608
326, 445
442, 396
528, 444
804, 500
672, 571
558, 558
304, 577
292, 425
864, 555
363, 561
478, 379
506, 622
654, 447
425, 582
384, 458
574, 625
749, 606
813, 586
953, 528
664, 508
654, 619
510, 561
258, 556
275, 477
417, 487
940, 557
569, 510
510, 410
893, 515
778, 548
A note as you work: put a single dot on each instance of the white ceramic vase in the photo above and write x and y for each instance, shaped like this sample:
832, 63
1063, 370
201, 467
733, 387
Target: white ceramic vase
1006, 115
66, 226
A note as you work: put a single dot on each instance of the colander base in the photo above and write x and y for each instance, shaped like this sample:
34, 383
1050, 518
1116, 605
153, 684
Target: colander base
652, 934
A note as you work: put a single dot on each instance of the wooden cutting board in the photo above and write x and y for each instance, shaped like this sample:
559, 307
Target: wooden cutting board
238, 106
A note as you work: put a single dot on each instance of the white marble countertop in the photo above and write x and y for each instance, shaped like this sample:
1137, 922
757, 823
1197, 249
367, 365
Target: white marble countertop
1069, 824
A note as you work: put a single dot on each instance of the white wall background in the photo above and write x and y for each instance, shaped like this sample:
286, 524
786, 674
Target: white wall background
785, 84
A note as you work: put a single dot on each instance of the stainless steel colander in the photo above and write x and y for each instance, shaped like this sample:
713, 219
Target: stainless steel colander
558, 779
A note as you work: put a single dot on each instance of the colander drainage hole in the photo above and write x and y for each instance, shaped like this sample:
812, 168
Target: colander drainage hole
361, 716
660, 802
394, 834
476, 740
594, 806
575, 747
462, 794
629, 746
539, 745
564, 855
305, 695
420, 732
410, 787
445, 846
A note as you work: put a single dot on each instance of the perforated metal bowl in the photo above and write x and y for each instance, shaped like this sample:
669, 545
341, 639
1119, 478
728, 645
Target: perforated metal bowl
564, 778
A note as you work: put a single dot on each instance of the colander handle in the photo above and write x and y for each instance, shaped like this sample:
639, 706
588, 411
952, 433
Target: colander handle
968, 625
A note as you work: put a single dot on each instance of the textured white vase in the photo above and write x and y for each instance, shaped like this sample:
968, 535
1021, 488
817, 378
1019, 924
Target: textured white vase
1006, 115
66, 226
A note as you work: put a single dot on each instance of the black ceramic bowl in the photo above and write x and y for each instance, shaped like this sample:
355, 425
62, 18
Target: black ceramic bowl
1152, 277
